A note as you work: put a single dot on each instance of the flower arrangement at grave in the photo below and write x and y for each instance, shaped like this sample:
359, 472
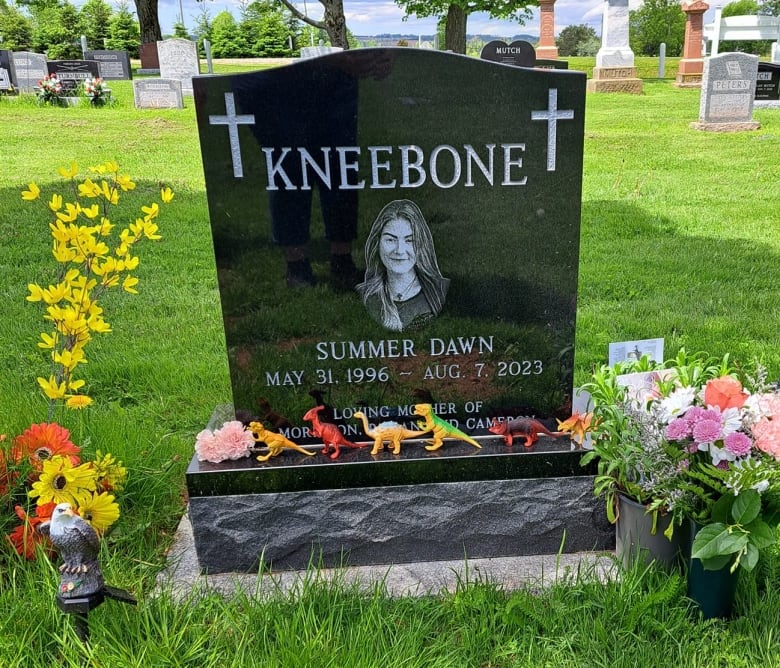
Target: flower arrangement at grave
695, 438
95, 91
42, 466
50, 89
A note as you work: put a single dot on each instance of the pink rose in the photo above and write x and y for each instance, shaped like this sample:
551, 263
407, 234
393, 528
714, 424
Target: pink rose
724, 392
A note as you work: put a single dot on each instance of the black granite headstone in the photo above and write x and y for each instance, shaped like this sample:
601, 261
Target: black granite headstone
768, 82
7, 74
458, 174
73, 72
551, 64
113, 65
519, 53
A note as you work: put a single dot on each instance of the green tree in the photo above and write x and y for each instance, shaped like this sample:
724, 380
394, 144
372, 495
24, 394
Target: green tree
124, 33
770, 7
265, 29
180, 30
202, 30
16, 29
657, 22
457, 13
743, 8
568, 42
226, 39
56, 31
95, 18
589, 47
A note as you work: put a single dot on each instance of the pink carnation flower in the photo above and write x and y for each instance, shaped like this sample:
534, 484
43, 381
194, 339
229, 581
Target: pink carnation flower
767, 435
738, 443
231, 441
706, 431
678, 429
693, 415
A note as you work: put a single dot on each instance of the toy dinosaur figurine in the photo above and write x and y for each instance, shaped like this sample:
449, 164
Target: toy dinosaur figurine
440, 429
390, 432
577, 426
329, 433
275, 442
524, 427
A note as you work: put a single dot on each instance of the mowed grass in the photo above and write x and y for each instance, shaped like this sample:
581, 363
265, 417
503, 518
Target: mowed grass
680, 239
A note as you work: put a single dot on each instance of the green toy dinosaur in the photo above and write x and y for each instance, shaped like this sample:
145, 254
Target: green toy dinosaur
440, 429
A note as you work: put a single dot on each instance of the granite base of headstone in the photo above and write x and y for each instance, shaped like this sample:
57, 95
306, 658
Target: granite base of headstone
768, 86
242, 513
551, 64
615, 80
728, 94
158, 94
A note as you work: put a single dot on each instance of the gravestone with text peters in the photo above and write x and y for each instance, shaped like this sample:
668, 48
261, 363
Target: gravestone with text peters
179, 60
30, 68
728, 91
485, 163
113, 65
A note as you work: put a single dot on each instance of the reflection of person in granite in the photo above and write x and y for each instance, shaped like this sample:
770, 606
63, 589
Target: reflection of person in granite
403, 287
309, 107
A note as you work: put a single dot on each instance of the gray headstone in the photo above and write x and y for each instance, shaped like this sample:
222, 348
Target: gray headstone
728, 88
113, 65
518, 53
72, 72
157, 94
7, 75
179, 60
30, 68
315, 51
615, 50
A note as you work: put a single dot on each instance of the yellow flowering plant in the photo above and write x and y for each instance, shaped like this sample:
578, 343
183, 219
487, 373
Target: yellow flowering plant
43, 464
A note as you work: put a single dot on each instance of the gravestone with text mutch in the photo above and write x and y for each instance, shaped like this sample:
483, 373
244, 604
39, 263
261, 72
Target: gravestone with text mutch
492, 158
767, 85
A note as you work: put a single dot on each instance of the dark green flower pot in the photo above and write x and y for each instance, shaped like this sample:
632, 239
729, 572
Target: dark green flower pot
634, 537
713, 591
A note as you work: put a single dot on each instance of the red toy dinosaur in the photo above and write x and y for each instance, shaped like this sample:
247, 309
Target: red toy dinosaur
329, 433
526, 427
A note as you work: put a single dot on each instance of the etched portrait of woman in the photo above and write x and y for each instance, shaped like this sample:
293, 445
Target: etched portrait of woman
403, 287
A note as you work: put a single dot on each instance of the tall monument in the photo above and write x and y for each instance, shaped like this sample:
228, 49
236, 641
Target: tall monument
615, 71
691, 66
547, 48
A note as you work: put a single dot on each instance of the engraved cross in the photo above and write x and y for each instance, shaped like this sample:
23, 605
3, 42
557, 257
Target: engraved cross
233, 121
552, 115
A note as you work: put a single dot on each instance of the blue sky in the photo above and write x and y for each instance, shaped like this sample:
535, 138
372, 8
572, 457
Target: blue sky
372, 17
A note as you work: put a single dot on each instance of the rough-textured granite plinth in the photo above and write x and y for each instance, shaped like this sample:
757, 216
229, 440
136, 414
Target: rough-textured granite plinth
615, 80
408, 523
688, 80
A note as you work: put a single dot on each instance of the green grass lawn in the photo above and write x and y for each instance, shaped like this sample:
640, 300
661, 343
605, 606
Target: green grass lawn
680, 239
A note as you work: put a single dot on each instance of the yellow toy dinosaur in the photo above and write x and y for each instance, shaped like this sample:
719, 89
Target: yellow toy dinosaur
275, 442
390, 432
440, 429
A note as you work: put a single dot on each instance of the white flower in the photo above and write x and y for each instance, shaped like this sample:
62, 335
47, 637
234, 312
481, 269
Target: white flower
673, 406
761, 486
717, 454
731, 419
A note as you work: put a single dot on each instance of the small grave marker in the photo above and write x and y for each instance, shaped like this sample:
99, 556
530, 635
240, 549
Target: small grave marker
7, 75
113, 65
179, 60
72, 72
728, 92
518, 53
158, 94
30, 68
768, 85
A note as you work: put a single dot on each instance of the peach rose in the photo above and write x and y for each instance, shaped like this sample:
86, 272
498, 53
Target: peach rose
724, 392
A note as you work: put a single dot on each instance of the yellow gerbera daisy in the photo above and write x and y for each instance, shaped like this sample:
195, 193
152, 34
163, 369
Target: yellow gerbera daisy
110, 472
77, 401
100, 510
61, 482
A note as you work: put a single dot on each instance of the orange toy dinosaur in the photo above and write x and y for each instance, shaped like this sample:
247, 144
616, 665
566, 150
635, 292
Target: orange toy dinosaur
329, 433
275, 442
524, 427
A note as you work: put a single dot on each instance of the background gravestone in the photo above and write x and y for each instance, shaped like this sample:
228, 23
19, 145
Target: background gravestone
767, 85
615, 71
492, 157
113, 65
728, 93
179, 60
157, 94
518, 53
30, 68
73, 72
316, 51
7, 74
